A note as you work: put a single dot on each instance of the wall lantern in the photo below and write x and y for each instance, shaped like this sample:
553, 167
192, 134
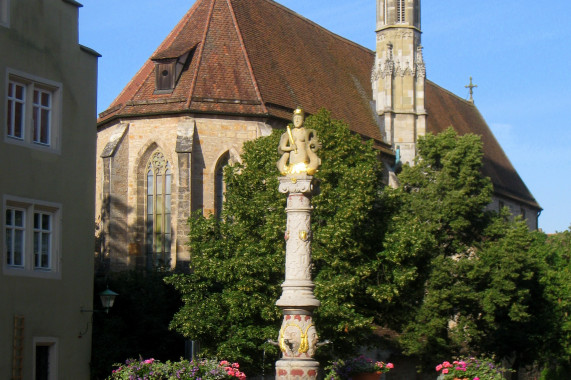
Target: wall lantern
107, 300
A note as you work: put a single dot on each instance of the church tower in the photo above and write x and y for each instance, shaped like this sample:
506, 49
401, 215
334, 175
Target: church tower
398, 76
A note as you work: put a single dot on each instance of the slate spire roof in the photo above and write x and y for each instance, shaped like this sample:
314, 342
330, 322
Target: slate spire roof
257, 58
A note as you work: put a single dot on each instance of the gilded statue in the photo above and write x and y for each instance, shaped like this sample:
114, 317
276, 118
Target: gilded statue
298, 147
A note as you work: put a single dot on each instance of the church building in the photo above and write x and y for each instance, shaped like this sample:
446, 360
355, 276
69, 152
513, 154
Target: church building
233, 70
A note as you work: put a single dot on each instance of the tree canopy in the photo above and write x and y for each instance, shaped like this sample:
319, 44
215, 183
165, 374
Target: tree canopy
427, 260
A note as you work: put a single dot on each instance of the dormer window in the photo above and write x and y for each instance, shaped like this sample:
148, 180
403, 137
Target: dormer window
165, 76
168, 70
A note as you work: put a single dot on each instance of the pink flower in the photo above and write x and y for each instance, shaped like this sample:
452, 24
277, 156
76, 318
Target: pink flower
445, 370
446, 365
390, 365
235, 365
476, 378
224, 362
438, 367
149, 361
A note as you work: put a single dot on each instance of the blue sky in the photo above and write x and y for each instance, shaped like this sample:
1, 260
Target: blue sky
517, 51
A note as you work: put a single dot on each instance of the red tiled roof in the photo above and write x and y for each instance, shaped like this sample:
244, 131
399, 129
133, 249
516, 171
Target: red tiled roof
258, 58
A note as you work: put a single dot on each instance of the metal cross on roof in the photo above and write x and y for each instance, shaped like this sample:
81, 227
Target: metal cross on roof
471, 87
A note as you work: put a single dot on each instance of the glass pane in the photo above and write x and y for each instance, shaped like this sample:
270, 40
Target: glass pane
167, 243
158, 243
168, 203
168, 223
45, 261
19, 218
37, 236
9, 123
18, 120
9, 217
36, 122
46, 98
45, 127
18, 258
150, 204
159, 225
8, 240
150, 232
168, 181
159, 184
10, 89
37, 221
45, 251
19, 91
18, 247
149, 182
36, 97
159, 204
46, 221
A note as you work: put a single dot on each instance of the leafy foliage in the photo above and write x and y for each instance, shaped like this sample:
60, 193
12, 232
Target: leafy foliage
426, 259
464, 279
238, 261
151, 369
351, 368
471, 368
438, 211
555, 251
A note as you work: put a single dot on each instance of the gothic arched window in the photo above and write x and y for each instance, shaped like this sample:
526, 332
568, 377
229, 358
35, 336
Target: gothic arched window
219, 184
158, 205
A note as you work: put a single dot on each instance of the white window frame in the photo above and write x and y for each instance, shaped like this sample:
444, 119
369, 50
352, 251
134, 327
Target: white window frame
52, 343
13, 228
50, 268
5, 13
33, 110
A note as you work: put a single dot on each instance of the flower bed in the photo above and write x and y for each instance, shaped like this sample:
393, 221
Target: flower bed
151, 369
355, 369
471, 369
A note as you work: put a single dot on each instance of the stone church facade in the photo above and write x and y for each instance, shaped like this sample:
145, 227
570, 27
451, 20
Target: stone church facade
234, 70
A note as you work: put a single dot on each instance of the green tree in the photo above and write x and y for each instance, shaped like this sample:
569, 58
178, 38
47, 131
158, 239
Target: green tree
555, 251
238, 261
438, 210
459, 279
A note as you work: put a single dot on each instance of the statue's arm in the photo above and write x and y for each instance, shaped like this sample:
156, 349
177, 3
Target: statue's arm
284, 143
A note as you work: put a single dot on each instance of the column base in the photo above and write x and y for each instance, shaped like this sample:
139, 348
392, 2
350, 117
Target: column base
292, 369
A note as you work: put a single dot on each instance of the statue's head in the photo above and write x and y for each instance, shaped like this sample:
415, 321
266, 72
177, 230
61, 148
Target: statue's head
298, 116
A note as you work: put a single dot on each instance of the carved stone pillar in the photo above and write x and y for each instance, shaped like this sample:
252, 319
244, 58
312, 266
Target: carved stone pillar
298, 336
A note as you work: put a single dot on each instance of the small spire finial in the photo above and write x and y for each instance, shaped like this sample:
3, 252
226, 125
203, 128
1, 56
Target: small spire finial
471, 87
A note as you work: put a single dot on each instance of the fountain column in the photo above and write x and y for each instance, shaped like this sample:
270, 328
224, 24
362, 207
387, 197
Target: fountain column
298, 336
